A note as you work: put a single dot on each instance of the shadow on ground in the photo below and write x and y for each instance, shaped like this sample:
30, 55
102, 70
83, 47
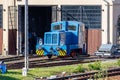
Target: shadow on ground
2, 77
7, 77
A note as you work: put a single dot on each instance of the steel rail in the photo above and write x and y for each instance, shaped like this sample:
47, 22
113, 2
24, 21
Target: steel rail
84, 76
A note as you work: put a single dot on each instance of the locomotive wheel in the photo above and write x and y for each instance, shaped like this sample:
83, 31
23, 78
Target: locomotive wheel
49, 56
73, 54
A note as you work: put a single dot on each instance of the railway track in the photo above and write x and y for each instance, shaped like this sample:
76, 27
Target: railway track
36, 61
15, 58
33, 63
89, 75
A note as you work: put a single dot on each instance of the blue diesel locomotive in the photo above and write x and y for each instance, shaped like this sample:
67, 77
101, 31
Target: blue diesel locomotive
66, 38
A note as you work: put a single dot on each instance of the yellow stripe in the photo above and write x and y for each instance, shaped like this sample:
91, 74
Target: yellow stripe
59, 53
62, 52
37, 52
65, 52
40, 52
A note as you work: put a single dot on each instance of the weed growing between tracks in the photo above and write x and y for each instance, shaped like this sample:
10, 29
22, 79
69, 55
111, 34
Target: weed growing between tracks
100, 67
89, 67
118, 62
79, 68
95, 66
101, 74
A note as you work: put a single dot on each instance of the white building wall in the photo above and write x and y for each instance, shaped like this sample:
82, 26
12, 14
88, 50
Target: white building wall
105, 23
5, 27
61, 2
5, 3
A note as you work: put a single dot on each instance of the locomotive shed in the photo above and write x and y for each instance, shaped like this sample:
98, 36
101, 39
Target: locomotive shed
40, 17
39, 21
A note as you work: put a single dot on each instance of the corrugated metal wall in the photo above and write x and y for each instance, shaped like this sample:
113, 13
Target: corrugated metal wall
93, 40
12, 41
1, 39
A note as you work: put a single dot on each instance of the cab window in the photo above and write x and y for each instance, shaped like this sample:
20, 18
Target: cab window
57, 27
72, 27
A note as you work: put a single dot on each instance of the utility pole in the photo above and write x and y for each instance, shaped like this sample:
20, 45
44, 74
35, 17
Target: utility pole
108, 21
26, 66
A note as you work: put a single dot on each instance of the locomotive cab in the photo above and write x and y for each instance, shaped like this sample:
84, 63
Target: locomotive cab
64, 38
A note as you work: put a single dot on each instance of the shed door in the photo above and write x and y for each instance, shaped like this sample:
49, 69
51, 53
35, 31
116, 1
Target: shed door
93, 40
12, 35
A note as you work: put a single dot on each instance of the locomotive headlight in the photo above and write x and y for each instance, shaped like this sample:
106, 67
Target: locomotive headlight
40, 42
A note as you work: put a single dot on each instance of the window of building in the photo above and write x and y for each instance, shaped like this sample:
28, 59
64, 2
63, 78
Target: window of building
90, 15
1, 16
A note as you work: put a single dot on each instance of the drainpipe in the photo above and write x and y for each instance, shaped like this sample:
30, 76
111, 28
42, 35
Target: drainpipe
108, 21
